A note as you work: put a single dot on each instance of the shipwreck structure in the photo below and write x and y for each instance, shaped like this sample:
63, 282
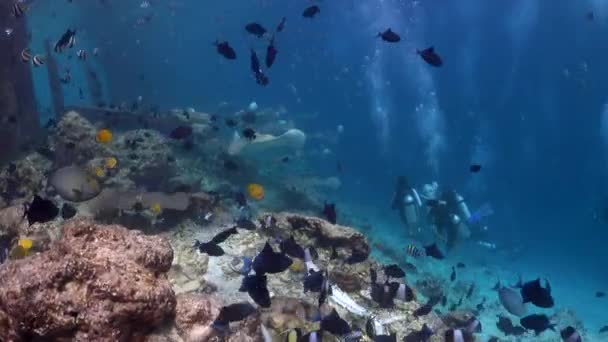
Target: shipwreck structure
19, 121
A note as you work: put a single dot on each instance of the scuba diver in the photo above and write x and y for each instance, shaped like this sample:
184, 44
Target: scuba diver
450, 216
408, 204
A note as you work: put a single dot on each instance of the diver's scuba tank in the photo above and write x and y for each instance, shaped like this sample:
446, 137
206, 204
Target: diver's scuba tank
411, 212
463, 230
463, 209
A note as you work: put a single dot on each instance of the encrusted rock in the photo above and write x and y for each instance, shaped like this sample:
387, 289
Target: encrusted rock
324, 234
73, 141
23, 178
146, 158
194, 314
96, 283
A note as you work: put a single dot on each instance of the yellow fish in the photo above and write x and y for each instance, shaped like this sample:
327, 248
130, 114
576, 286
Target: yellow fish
297, 266
110, 163
99, 172
104, 136
155, 208
22, 249
255, 191
25, 244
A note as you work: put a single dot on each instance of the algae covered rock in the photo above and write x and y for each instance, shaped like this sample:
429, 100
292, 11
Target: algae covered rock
345, 240
23, 178
146, 158
95, 283
194, 314
73, 140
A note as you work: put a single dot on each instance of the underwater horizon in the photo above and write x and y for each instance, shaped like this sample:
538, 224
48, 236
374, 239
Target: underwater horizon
514, 119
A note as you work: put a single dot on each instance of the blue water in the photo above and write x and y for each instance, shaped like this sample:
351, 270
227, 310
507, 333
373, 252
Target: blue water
522, 92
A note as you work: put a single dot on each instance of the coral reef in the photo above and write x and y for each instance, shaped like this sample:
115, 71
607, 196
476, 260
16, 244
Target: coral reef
22, 178
73, 141
95, 283
145, 158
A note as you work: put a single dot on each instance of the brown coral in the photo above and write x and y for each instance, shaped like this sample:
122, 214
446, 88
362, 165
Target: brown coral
96, 283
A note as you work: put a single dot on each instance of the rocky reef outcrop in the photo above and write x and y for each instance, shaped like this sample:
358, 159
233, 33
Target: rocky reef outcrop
96, 283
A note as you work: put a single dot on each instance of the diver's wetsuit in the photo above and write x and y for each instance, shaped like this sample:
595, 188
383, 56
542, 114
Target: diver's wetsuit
442, 218
398, 204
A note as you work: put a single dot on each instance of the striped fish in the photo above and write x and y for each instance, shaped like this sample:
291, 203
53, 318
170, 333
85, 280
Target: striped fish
38, 60
26, 55
413, 251
81, 54
19, 9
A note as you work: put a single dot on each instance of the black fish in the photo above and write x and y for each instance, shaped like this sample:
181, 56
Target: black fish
40, 210
534, 292
51, 123
470, 291
460, 265
325, 290
292, 248
314, 281
281, 25
335, 325
241, 200
329, 211
480, 307
246, 224
433, 251
224, 49
603, 329
474, 168
430, 56
394, 271
357, 256
181, 132
505, 325
285, 159
233, 313
382, 293
389, 36
249, 134
569, 334
600, 294
423, 335
256, 286
230, 122
230, 165
424, 310
209, 248
311, 11
222, 236
255, 29
269, 261
67, 211
538, 323
453, 275
260, 78
271, 53
67, 40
